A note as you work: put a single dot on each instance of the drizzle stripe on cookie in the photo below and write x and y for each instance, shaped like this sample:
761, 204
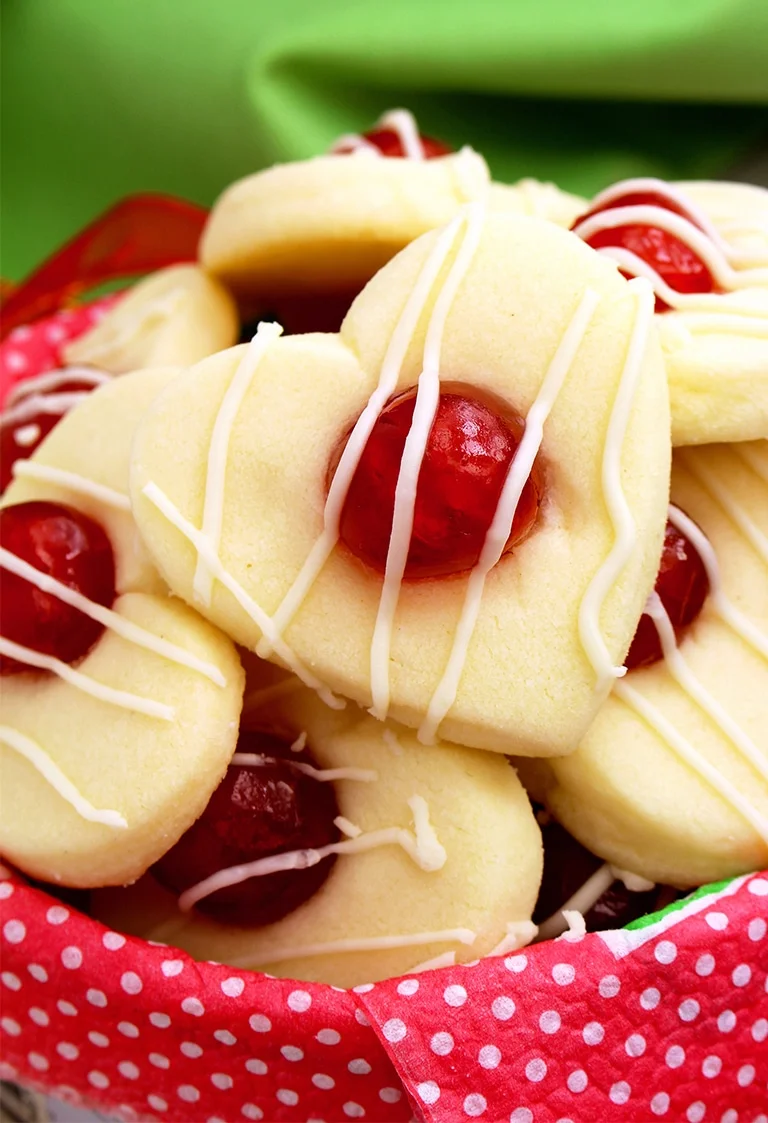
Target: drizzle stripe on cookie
124, 628
257, 760
399, 121
591, 637
71, 481
751, 458
735, 512
585, 898
51, 772
499, 530
50, 379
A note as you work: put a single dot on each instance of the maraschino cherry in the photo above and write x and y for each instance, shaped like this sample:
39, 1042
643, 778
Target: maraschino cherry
389, 143
256, 811
72, 548
682, 585
469, 451
675, 262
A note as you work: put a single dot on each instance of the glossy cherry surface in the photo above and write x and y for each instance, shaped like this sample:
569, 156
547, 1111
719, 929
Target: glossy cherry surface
20, 435
682, 585
256, 811
389, 143
470, 448
66, 545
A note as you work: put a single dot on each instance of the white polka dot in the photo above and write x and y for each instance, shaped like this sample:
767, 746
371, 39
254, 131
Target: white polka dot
717, 921
162, 1021
98, 1079
757, 928
593, 1033
660, 1103
394, 1030
10, 1026
99, 1039
390, 1095
113, 941
16, 361
6, 890
129, 1070
188, 1093
131, 983
193, 1006
489, 1056
55, 333
729, 1116
287, 1097
353, 1110
441, 1044
96, 997
363, 988
563, 974
67, 1050
157, 1103
328, 1037
650, 998
711, 1066
516, 963
221, 1081
675, 1056
359, 1067
171, 967
128, 1029
13, 982
292, 1052
322, 1080
696, 1112
232, 987
620, 1093
250, 1111
14, 931
408, 987
361, 1017
726, 1021
191, 1049
455, 995
159, 1061
609, 986
634, 1046
225, 1037
689, 1010
475, 1104
741, 975
503, 1008
705, 965
299, 1001
665, 951
429, 1092
549, 1021
260, 1023
760, 1030
758, 886
257, 1067
72, 958
536, 1070
57, 914
66, 1008
521, 1115
745, 1075
38, 1016
577, 1080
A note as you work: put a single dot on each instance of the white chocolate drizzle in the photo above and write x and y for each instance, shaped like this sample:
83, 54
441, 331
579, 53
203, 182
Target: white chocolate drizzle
632, 881
259, 760
501, 525
351, 830
213, 506
519, 933
300, 743
27, 435
425, 409
71, 481
365, 943
446, 959
121, 698
422, 847
585, 898
389, 737
625, 531
735, 512
576, 926
399, 121
126, 629
33, 396
51, 772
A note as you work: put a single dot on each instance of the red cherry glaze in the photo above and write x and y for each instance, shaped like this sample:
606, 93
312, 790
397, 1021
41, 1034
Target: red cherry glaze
469, 451
74, 549
389, 143
682, 585
642, 199
11, 448
255, 812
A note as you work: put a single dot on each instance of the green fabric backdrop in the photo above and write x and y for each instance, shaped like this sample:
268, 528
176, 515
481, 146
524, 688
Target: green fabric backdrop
103, 97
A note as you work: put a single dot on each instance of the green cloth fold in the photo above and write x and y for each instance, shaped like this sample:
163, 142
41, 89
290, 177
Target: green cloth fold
105, 97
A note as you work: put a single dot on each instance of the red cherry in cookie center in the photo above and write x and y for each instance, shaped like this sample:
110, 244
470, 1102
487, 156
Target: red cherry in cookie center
470, 448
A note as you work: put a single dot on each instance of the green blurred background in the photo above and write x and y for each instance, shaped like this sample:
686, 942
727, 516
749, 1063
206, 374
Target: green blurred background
105, 97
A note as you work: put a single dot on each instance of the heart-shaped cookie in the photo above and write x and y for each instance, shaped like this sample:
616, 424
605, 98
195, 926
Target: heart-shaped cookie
533, 330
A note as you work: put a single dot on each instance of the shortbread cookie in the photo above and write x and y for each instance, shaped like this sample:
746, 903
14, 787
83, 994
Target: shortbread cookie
705, 250
510, 653
464, 874
176, 316
671, 781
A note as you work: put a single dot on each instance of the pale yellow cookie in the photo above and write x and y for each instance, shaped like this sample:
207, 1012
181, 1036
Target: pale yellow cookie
176, 316
738, 210
537, 200
557, 615
628, 793
482, 850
